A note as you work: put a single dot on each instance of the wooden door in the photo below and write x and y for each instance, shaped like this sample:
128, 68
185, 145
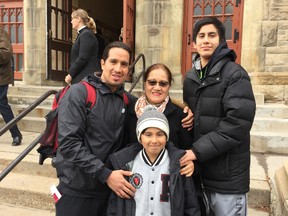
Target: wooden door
11, 19
230, 12
59, 32
128, 22
128, 27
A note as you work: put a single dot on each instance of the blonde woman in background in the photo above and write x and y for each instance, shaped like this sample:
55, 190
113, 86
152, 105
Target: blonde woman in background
84, 52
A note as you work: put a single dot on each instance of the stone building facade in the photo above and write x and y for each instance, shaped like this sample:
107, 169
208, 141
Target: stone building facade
158, 35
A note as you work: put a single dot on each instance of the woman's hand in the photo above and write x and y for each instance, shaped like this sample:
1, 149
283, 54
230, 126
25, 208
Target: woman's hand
68, 79
187, 122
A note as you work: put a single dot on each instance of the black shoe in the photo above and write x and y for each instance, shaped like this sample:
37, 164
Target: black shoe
17, 140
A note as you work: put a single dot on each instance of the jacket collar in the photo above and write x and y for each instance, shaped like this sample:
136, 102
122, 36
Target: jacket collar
101, 86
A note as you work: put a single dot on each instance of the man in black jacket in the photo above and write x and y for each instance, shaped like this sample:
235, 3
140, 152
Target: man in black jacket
219, 93
87, 137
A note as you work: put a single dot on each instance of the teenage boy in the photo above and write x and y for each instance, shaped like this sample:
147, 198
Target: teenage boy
155, 164
219, 93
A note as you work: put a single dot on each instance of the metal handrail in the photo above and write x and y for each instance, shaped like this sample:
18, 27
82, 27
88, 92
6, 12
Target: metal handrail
17, 160
10, 124
141, 73
13, 122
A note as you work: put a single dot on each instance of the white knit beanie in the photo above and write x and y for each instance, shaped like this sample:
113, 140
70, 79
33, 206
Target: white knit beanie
152, 118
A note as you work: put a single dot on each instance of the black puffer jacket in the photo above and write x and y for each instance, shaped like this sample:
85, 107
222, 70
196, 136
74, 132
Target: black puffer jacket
86, 139
182, 191
224, 108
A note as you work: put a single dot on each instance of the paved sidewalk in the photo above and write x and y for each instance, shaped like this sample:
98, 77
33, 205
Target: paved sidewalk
10, 210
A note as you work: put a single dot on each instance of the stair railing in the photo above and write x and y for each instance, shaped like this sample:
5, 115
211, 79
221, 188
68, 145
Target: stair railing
26, 111
13, 122
141, 73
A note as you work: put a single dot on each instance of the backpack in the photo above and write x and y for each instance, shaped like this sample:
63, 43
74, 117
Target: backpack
49, 139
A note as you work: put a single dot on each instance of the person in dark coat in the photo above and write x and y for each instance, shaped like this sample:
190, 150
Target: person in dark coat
157, 81
155, 163
219, 93
6, 78
87, 137
84, 53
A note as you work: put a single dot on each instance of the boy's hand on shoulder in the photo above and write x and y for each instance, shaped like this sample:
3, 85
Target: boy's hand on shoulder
120, 185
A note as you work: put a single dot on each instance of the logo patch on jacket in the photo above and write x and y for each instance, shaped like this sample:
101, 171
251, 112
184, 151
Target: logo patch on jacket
136, 180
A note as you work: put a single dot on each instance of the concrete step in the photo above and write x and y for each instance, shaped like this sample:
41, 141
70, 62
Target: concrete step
274, 110
281, 178
269, 142
269, 124
28, 90
39, 111
30, 124
28, 184
26, 190
27, 100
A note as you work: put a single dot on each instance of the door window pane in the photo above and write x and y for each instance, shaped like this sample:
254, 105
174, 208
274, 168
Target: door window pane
20, 62
5, 16
20, 15
208, 10
20, 34
229, 9
13, 34
12, 15
197, 10
228, 27
218, 9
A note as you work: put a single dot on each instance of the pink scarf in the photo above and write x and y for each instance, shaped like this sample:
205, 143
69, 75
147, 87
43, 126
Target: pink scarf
142, 102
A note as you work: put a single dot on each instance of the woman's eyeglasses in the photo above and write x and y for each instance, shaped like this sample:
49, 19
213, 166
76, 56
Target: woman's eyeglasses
154, 82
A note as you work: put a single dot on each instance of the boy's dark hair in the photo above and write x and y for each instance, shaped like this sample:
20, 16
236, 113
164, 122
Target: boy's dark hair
116, 44
206, 21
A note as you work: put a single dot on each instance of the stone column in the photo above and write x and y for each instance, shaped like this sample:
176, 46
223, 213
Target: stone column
34, 42
159, 34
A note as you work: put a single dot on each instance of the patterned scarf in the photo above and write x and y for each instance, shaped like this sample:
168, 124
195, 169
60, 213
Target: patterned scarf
142, 102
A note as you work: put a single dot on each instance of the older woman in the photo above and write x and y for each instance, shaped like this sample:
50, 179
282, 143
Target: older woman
84, 53
157, 81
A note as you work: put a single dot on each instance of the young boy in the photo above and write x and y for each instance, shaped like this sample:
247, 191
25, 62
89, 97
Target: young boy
154, 161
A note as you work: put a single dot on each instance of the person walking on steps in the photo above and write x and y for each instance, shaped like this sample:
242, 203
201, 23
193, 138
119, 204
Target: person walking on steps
6, 78
84, 53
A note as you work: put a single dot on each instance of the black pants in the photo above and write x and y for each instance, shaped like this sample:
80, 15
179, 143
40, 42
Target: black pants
78, 206
6, 111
